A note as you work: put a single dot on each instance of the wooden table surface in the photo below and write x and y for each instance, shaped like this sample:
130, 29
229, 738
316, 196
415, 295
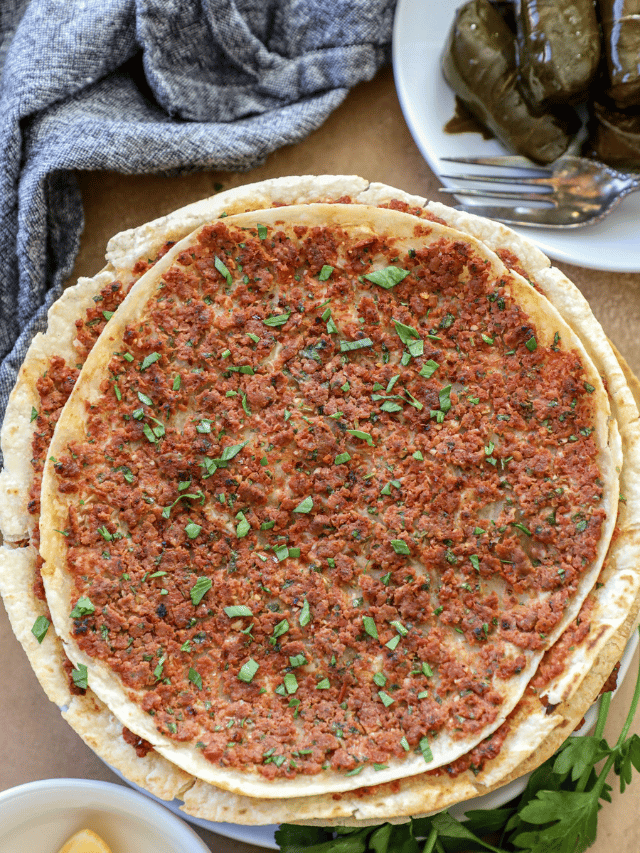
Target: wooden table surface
366, 136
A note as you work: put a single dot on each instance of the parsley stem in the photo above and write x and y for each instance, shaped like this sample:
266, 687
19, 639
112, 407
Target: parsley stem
602, 777
605, 702
632, 710
431, 841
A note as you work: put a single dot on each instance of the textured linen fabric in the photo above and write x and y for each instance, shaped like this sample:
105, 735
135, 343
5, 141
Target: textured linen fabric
151, 86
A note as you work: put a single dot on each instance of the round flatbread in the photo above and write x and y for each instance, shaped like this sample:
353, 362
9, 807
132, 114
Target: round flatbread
408, 796
475, 567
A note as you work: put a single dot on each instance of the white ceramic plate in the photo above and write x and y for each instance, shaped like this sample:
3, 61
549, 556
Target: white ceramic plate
420, 30
263, 836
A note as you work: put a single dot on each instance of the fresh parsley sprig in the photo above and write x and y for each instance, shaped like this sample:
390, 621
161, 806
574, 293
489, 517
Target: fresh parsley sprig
556, 813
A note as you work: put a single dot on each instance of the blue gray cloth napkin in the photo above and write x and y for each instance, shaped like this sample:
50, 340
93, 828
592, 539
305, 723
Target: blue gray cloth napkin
151, 86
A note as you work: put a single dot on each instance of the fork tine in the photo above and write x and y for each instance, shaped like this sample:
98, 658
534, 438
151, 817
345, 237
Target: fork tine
511, 161
501, 179
547, 217
513, 195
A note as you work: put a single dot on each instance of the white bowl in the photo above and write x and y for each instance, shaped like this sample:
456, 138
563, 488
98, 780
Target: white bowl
43, 815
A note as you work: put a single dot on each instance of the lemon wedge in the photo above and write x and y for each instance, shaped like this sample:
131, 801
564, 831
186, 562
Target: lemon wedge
85, 841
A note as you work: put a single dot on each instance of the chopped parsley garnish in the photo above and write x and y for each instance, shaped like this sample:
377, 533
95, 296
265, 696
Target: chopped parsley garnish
370, 627
305, 614
262, 231
348, 346
531, 344
400, 546
80, 676
195, 678
386, 490
385, 698
387, 277
341, 458
199, 589
425, 749
325, 272
40, 628
358, 433
234, 610
323, 684
277, 319
429, 368
149, 360
290, 683
243, 526
248, 671
84, 606
305, 506
192, 529
445, 398
222, 269
34, 414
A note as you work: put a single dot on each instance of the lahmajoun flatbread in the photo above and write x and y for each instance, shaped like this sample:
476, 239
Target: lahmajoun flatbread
607, 605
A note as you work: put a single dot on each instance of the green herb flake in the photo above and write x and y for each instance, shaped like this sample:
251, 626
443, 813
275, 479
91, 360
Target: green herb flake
400, 628
386, 490
177, 381
380, 679
290, 683
305, 614
199, 589
40, 628
262, 232
358, 433
387, 277
243, 526
80, 676
325, 272
475, 562
195, 678
393, 642
323, 684
223, 270
149, 360
277, 319
84, 607
400, 546
349, 346
341, 458
370, 627
248, 671
531, 344
425, 749
305, 506
385, 698
297, 660
34, 414
234, 610
192, 529
445, 398
406, 333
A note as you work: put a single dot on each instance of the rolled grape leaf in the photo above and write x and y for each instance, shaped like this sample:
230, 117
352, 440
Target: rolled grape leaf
615, 136
479, 63
621, 34
558, 48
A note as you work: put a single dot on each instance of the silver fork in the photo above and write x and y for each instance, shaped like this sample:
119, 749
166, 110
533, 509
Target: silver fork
569, 193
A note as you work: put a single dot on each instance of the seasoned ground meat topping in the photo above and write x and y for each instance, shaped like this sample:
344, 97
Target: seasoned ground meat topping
332, 495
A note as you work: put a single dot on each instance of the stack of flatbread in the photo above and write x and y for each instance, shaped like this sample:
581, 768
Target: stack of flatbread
448, 607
